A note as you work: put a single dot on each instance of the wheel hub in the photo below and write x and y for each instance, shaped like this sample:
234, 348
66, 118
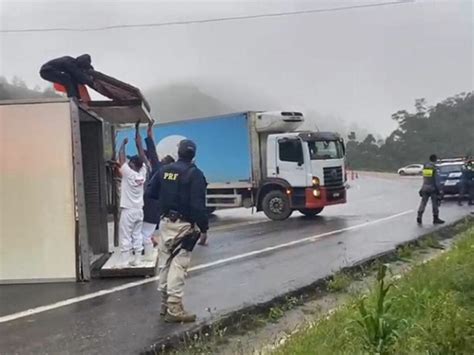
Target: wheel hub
277, 205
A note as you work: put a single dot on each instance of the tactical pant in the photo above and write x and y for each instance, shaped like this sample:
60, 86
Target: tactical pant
63, 78
172, 271
425, 196
470, 187
467, 187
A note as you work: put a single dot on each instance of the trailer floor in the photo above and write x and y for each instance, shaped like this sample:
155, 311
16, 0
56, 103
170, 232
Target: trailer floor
113, 267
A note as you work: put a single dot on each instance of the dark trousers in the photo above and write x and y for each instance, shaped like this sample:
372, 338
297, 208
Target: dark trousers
63, 78
467, 187
425, 196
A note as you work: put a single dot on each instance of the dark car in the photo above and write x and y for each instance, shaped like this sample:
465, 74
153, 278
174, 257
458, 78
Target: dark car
450, 176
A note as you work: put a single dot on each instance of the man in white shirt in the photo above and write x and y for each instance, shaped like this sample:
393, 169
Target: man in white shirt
131, 205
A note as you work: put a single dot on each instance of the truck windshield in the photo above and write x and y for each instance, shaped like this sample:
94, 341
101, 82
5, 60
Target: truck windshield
320, 150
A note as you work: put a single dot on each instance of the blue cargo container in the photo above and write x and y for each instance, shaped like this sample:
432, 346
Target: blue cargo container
223, 144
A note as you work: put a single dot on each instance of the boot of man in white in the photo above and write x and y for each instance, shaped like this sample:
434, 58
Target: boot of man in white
125, 257
147, 233
137, 259
149, 252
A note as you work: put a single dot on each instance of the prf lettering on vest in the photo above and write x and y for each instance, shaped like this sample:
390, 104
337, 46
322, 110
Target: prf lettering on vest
171, 176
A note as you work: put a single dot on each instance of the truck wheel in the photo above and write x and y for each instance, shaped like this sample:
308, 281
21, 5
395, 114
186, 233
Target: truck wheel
276, 205
311, 212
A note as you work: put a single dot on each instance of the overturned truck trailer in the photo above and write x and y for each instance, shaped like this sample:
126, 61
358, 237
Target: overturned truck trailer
59, 211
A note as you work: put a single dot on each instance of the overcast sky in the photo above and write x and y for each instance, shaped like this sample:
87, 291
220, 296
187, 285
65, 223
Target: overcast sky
360, 65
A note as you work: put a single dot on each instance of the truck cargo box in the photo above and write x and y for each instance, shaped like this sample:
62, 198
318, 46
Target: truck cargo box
223, 145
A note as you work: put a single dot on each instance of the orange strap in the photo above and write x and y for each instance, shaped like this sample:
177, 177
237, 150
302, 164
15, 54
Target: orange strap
83, 93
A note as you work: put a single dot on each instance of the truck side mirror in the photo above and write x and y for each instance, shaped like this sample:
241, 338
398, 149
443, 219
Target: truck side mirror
300, 161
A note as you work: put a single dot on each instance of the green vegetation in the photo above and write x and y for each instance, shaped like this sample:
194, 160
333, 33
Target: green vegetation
446, 129
405, 252
428, 311
278, 310
339, 282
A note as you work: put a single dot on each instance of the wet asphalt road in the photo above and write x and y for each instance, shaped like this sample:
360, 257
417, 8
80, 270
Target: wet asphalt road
249, 260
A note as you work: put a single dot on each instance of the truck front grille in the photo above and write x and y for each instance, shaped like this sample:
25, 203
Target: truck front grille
333, 177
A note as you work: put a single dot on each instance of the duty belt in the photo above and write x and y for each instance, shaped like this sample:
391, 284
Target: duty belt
173, 216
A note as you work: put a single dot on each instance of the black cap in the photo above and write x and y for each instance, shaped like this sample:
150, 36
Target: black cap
84, 61
187, 149
136, 160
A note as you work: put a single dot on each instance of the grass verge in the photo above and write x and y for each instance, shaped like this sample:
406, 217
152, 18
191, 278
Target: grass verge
430, 310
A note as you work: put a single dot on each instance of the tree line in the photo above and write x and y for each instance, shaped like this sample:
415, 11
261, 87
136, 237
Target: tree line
16, 89
446, 129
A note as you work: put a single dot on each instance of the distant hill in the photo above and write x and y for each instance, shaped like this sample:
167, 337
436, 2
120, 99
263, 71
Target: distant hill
180, 101
17, 90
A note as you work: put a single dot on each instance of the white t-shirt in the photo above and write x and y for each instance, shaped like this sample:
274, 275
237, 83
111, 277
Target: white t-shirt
131, 191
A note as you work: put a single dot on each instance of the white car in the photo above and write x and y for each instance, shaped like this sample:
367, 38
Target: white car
413, 169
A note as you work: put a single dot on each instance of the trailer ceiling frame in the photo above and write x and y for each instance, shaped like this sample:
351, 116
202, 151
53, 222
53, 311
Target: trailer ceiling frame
119, 112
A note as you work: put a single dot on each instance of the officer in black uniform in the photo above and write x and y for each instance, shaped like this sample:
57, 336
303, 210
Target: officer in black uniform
467, 182
70, 72
430, 190
181, 189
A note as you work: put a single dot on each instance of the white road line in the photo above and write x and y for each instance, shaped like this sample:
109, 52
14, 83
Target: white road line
224, 227
295, 242
69, 301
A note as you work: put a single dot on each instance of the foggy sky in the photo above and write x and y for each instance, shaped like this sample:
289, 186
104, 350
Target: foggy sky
359, 65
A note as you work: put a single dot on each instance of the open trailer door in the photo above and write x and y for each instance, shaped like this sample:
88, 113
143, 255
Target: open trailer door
126, 107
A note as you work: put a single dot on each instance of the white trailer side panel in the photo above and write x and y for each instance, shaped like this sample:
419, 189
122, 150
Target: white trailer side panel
37, 219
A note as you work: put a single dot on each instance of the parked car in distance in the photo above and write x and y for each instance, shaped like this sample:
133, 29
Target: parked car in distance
413, 169
449, 174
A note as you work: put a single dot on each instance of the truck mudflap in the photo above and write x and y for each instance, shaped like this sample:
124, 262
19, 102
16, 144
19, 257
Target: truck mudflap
324, 197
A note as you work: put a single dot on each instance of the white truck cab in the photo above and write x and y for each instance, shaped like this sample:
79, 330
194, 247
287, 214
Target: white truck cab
312, 163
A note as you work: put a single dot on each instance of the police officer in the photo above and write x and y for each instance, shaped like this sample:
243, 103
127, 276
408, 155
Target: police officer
70, 72
181, 189
467, 182
430, 190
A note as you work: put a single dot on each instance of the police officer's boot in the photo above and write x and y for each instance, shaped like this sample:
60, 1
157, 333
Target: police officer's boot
437, 220
177, 314
419, 219
164, 304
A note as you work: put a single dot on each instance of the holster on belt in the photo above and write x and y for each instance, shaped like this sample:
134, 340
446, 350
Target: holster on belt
188, 242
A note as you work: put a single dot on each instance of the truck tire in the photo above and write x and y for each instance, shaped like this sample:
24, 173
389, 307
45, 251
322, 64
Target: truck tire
276, 205
311, 212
